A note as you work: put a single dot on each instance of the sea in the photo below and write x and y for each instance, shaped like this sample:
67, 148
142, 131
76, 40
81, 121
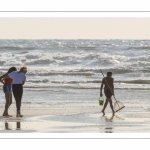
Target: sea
67, 72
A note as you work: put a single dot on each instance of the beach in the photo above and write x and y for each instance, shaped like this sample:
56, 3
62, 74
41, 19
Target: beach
76, 118
62, 89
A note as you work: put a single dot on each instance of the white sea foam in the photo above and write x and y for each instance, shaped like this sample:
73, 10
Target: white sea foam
76, 64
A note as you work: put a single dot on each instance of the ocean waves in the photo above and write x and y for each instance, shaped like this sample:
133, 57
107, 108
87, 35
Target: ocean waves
68, 87
75, 59
85, 84
70, 59
87, 81
76, 62
99, 81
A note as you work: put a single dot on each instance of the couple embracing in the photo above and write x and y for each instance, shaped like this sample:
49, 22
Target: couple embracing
13, 81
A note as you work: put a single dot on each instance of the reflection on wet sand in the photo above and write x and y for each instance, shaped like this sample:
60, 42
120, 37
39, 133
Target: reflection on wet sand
18, 126
109, 128
119, 118
109, 121
9, 127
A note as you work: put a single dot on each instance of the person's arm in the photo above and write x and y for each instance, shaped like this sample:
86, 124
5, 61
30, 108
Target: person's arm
2, 81
4, 76
24, 80
101, 87
113, 86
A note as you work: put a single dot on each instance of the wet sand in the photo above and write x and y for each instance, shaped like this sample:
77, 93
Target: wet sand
76, 120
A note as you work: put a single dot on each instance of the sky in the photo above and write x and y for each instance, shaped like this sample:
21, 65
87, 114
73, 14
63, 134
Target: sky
74, 28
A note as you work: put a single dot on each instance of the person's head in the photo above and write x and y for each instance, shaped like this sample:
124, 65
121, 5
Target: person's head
12, 69
23, 69
109, 74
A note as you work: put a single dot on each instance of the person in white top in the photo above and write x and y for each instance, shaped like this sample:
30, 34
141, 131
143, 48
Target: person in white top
19, 79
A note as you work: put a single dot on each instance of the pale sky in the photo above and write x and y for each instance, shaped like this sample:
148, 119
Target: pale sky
74, 28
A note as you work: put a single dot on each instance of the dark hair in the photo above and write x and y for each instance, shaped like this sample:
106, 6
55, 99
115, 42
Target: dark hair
12, 69
109, 73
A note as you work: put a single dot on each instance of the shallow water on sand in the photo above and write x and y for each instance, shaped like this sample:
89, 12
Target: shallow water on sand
126, 121
78, 97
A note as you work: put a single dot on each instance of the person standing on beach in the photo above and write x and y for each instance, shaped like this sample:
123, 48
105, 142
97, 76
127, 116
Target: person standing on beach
108, 83
19, 79
7, 88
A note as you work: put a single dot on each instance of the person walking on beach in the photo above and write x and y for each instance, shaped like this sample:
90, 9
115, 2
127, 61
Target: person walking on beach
108, 83
19, 79
7, 88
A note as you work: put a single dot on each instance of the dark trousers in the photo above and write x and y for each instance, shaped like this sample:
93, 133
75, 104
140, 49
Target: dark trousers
17, 92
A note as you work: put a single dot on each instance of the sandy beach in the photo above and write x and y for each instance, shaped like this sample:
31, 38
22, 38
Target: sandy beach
76, 120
